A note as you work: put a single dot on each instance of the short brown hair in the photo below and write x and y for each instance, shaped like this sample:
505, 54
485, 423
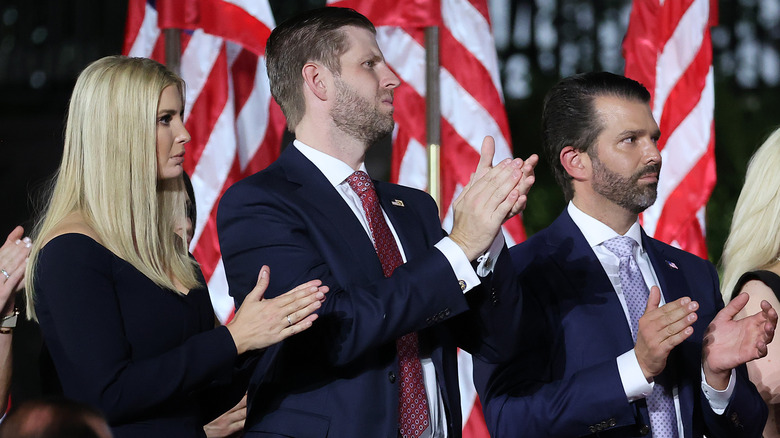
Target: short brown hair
569, 116
315, 35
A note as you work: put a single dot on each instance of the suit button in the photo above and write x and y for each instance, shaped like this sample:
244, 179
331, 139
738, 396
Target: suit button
447, 312
391, 377
592, 429
735, 419
612, 422
644, 430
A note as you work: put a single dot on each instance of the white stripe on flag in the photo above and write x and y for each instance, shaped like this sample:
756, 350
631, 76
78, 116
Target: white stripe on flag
252, 120
679, 51
147, 34
472, 30
196, 64
685, 147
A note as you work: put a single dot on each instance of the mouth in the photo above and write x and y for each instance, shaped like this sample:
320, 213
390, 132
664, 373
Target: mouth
178, 158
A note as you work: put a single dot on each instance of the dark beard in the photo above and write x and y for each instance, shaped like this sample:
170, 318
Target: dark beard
357, 117
625, 191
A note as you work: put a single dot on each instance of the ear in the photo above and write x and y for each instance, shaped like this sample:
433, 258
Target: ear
576, 163
316, 79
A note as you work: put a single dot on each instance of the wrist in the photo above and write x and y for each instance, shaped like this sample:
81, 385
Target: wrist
718, 380
234, 333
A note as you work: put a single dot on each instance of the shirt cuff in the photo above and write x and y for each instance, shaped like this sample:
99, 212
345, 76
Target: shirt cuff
719, 400
487, 261
634, 382
460, 264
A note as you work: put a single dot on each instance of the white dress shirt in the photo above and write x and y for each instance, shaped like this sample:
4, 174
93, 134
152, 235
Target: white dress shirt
634, 383
337, 171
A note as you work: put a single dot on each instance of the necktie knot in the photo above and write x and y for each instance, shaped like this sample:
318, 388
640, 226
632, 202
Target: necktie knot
621, 246
360, 182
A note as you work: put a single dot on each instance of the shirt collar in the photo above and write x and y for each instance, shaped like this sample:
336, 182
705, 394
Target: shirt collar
597, 232
335, 170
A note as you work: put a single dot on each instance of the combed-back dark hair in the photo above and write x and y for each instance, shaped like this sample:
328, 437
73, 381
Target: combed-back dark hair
317, 36
569, 115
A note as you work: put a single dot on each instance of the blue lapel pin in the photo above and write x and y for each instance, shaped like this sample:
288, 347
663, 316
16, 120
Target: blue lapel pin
672, 265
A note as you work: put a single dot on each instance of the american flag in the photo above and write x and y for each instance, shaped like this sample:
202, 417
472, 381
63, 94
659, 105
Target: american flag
471, 107
236, 126
668, 49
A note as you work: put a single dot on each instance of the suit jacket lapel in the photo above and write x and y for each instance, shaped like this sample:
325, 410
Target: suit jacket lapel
595, 297
329, 208
673, 285
404, 219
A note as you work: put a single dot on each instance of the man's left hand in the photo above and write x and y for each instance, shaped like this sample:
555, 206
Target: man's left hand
728, 343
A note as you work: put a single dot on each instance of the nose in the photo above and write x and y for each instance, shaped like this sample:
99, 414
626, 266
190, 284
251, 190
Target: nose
652, 154
183, 136
389, 79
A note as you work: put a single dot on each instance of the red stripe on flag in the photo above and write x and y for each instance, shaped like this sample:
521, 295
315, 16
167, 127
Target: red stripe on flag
271, 145
206, 110
136, 10
243, 71
406, 13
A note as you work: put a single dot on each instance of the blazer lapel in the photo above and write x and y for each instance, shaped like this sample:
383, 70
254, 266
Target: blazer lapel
330, 210
671, 279
595, 301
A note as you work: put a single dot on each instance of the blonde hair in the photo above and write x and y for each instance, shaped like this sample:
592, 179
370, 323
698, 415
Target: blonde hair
754, 238
108, 173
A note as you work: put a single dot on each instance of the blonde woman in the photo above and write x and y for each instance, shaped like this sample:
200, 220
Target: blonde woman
121, 304
751, 262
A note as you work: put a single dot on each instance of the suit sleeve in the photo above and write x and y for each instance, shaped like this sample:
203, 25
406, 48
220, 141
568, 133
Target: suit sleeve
260, 226
82, 322
525, 394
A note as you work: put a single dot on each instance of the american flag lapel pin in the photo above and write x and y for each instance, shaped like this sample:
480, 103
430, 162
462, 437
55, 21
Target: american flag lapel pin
397, 202
672, 265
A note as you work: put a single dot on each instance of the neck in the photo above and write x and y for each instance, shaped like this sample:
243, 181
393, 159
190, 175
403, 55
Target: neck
608, 213
330, 140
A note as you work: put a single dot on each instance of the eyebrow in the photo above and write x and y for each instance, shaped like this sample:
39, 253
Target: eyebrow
171, 112
639, 133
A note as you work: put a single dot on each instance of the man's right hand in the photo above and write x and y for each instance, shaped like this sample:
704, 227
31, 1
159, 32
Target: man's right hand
493, 195
661, 329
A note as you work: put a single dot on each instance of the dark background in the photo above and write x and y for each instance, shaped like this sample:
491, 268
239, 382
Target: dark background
45, 44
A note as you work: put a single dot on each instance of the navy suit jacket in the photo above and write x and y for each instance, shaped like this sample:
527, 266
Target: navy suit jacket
564, 381
340, 378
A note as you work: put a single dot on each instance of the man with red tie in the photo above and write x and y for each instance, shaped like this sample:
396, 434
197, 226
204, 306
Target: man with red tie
381, 359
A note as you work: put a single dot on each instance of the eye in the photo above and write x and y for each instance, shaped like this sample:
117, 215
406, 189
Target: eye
370, 63
630, 139
165, 120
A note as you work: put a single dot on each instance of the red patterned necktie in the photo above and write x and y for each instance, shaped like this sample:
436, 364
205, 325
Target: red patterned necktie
413, 402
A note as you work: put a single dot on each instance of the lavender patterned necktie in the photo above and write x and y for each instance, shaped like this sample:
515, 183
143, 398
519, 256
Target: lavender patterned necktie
660, 403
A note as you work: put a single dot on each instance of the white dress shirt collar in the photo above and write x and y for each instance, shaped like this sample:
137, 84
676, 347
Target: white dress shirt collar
335, 170
597, 232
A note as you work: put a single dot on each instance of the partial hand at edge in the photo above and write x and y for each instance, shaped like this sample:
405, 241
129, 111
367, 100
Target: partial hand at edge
728, 343
260, 323
229, 424
661, 329
13, 259
493, 195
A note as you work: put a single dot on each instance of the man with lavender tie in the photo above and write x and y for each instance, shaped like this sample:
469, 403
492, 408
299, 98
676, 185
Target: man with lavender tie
380, 361
621, 335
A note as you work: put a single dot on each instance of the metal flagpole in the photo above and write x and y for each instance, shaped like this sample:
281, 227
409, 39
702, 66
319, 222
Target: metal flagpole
173, 49
433, 113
